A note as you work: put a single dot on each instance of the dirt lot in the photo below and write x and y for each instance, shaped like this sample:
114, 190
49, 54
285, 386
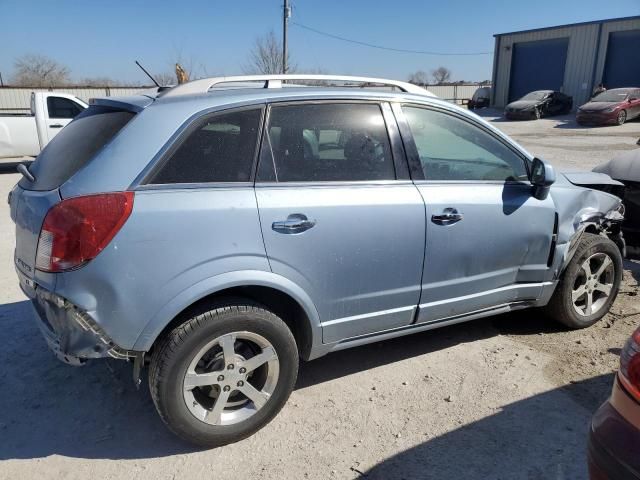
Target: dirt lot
507, 397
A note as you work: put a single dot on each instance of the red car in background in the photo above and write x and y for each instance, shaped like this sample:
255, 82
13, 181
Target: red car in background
614, 442
613, 107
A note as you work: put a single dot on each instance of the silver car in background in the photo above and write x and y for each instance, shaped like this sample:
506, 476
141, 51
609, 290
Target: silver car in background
222, 229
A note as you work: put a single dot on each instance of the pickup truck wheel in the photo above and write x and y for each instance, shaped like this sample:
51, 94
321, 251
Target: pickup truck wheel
223, 375
589, 285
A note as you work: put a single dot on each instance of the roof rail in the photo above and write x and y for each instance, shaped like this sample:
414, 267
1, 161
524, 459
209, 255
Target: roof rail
275, 81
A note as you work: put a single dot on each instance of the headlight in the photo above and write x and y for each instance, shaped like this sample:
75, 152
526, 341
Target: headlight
609, 110
529, 108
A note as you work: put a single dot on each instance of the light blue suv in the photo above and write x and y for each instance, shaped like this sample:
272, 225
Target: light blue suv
222, 229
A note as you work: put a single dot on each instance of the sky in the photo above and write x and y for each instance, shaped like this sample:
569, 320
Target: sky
96, 38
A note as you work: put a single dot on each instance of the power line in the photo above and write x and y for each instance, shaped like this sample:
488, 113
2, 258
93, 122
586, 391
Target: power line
380, 47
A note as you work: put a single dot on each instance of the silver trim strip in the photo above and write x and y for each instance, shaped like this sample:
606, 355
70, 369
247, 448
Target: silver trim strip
368, 315
486, 292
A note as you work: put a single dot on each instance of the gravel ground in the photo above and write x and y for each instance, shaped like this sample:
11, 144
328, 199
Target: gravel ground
506, 397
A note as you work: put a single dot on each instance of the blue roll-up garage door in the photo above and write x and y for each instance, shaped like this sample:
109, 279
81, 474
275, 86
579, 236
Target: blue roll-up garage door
622, 65
537, 65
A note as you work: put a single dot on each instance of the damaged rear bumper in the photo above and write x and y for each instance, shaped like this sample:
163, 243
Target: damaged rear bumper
71, 334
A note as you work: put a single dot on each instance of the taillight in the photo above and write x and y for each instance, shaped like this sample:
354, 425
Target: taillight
76, 230
630, 365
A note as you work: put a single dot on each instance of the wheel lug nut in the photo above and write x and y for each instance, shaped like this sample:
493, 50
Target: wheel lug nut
240, 383
230, 366
226, 388
243, 370
220, 378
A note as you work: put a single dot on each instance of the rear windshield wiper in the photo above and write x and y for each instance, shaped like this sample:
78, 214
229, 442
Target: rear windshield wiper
22, 168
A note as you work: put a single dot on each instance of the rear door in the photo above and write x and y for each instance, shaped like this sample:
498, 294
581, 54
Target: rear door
488, 240
340, 216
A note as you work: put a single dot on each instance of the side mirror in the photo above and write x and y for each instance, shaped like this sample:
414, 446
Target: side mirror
542, 177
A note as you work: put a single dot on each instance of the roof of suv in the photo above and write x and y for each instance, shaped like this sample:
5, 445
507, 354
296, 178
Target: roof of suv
218, 91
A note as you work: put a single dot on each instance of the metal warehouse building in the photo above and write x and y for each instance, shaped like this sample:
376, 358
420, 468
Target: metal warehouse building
567, 58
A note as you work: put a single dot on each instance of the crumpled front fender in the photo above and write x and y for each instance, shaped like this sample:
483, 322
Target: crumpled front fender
583, 210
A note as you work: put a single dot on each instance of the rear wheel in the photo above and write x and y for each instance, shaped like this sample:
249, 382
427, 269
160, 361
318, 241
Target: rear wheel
223, 375
589, 284
622, 117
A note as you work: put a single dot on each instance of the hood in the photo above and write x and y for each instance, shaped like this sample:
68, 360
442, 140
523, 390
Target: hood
598, 106
625, 166
592, 181
587, 179
523, 104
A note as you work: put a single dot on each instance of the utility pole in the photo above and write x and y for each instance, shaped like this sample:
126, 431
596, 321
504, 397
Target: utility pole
286, 13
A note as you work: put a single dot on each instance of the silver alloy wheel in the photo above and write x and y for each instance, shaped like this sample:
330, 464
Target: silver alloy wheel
593, 285
231, 378
622, 117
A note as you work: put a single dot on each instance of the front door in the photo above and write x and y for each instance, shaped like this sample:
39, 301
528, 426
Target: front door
337, 218
488, 239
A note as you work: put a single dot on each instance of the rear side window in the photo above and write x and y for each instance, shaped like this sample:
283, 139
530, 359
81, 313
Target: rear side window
60, 107
326, 142
74, 146
220, 148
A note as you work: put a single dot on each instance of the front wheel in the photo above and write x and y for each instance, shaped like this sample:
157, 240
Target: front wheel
537, 114
589, 284
622, 117
223, 375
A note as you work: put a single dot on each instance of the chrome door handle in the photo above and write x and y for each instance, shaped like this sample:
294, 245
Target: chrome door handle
295, 223
447, 217
56, 125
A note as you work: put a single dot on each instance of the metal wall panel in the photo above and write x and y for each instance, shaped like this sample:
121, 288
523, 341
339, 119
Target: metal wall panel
586, 56
579, 65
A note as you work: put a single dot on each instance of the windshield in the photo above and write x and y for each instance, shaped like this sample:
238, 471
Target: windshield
611, 96
535, 96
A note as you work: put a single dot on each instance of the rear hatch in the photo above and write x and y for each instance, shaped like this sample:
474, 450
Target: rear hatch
65, 155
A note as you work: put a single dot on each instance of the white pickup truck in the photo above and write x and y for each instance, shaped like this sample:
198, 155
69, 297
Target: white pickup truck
25, 134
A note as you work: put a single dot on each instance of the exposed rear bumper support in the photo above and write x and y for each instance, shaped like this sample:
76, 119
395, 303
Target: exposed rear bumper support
72, 335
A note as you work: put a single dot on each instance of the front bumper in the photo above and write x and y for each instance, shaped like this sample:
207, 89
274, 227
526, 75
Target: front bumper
71, 334
614, 442
597, 118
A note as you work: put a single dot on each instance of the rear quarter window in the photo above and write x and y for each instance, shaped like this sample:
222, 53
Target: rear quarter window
219, 148
75, 146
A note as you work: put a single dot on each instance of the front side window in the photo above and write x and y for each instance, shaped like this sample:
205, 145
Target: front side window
453, 149
221, 148
60, 107
326, 142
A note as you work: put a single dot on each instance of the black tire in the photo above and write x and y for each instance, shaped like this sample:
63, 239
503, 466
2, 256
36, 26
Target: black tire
172, 357
561, 306
622, 117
